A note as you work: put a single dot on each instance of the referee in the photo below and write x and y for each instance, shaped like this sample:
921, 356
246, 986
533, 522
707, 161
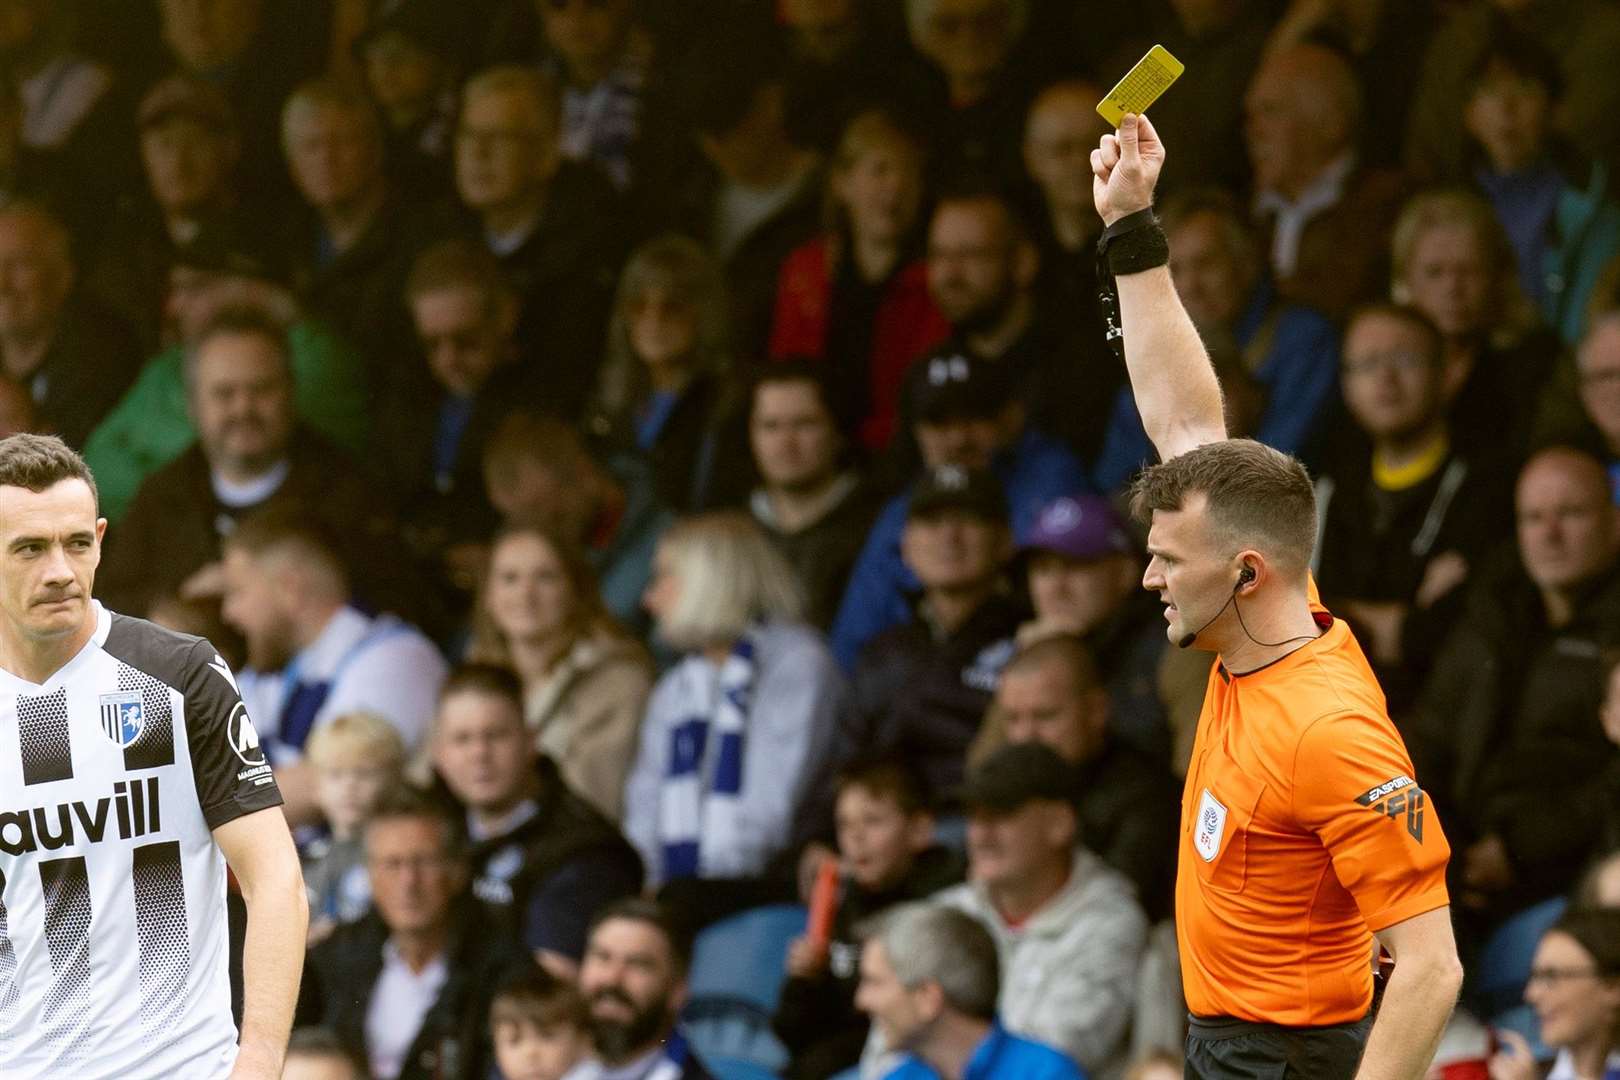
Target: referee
130, 778
1304, 833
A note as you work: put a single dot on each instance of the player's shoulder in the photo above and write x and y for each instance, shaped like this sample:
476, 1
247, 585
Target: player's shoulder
164, 654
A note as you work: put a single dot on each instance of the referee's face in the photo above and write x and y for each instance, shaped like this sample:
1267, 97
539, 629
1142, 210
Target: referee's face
52, 546
1184, 568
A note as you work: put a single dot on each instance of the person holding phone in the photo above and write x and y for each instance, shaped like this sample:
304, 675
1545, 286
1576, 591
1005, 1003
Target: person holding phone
1574, 987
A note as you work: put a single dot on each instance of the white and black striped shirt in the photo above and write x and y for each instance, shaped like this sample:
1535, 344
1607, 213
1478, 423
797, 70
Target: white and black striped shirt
113, 775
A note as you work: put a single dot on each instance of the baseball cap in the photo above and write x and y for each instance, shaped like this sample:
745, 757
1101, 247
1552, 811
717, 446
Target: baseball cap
951, 384
951, 487
1018, 774
1082, 527
193, 99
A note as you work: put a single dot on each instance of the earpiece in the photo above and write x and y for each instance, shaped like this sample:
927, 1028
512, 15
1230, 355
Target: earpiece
1245, 576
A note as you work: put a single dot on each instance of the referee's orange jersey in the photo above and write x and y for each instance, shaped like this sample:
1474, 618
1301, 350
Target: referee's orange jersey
1303, 831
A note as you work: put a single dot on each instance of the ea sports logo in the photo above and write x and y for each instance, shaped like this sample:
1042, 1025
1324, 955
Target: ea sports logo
243, 739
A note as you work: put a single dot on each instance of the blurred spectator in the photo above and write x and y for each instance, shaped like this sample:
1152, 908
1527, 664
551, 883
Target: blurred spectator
358, 757
600, 58
352, 261
1404, 524
251, 453
1157, 1065
753, 198
1574, 988
75, 357
737, 730
841, 62
857, 296
16, 409
310, 654
983, 272
190, 146
965, 415
930, 980
1068, 929
1222, 43
1452, 263
663, 384
1601, 885
585, 681
887, 856
634, 978
1558, 212
540, 853
1326, 216
1582, 34
408, 986
538, 471
1052, 693
407, 58
318, 1054
554, 225
59, 88
1084, 574
813, 506
921, 689
1597, 365
1059, 134
1509, 705
1291, 351
540, 1025
151, 426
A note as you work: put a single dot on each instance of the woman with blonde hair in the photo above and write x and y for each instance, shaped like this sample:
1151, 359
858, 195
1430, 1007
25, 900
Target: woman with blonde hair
585, 680
661, 389
735, 731
856, 296
1453, 262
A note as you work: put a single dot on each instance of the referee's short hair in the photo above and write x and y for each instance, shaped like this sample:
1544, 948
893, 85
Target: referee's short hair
1257, 497
40, 462
926, 943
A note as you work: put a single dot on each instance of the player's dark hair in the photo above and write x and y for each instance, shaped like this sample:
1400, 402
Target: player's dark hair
1256, 497
535, 997
321, 1042
650, 913
415, 805
888, 776
40, 462
494, 680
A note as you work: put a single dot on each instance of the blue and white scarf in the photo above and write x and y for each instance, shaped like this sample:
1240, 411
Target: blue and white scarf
699, 802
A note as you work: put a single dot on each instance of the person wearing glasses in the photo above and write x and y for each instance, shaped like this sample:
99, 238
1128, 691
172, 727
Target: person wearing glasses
1406, 512
1574, 987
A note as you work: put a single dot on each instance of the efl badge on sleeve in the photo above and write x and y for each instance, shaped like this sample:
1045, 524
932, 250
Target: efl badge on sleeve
123, 717
1210, 826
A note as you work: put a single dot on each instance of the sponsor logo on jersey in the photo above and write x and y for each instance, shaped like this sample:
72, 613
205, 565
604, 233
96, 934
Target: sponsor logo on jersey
223, 670
243, 737
1395, 798
123, 716
131, 810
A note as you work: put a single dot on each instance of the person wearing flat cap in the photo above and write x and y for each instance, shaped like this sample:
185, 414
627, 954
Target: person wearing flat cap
963, 411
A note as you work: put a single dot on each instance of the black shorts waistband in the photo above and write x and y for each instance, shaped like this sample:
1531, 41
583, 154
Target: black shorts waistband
1216, 1028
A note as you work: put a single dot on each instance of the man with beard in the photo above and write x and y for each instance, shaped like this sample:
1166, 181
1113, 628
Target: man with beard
634, 979
310, 654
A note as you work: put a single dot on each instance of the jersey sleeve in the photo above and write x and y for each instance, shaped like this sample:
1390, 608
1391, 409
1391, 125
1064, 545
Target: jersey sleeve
1354, 787
228, 764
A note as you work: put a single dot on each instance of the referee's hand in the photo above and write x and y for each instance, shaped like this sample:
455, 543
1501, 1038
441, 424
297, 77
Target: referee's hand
1125, 169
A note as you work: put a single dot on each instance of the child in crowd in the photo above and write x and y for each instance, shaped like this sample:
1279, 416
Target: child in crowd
357, 757
887, 856
540, 1026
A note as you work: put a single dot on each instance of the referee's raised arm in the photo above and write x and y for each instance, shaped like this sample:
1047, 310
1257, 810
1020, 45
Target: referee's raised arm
1175, 386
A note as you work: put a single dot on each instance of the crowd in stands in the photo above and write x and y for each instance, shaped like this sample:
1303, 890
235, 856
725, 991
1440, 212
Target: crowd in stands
646, 460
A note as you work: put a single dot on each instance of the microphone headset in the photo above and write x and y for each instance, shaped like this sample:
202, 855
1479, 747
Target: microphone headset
1245, 576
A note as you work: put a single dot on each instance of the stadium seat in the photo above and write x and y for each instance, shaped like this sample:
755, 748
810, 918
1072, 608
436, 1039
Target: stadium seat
738, 966
1503, 966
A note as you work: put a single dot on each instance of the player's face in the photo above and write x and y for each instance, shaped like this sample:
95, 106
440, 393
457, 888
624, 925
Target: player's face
529, 595
794, 439
483, 750
893, 1007
629, 979
52, 547
1192, 579
1040, 705
1572, 1002
527, 1052
413, 879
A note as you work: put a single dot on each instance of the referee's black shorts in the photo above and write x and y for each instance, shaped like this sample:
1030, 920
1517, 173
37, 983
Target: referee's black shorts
1220, 1048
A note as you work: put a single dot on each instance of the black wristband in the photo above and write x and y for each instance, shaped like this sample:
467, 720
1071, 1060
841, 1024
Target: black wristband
1133, 244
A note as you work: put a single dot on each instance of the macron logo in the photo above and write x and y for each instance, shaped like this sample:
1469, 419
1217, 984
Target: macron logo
218, 664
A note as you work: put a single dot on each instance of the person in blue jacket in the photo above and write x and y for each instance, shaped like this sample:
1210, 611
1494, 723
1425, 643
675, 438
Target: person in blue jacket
929, 981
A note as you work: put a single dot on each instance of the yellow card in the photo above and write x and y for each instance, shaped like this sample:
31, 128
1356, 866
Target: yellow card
1141, 86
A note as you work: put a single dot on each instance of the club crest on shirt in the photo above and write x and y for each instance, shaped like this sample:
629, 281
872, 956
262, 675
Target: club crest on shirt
123, 716
1210, 826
